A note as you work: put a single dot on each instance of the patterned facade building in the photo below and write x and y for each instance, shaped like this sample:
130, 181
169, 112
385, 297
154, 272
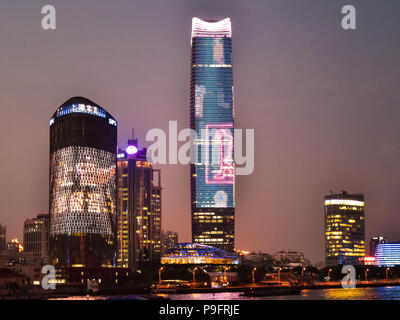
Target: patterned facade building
212, 117
83, 146
139, 208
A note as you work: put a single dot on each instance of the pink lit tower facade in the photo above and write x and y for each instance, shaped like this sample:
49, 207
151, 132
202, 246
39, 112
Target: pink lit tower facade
212, 172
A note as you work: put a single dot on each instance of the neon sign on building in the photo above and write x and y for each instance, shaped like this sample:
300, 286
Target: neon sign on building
213, 112
212, 117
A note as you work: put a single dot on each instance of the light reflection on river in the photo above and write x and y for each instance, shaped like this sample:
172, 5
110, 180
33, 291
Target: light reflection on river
378, 293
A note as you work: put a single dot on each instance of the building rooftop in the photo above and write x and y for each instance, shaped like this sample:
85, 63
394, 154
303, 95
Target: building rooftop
212, 29
81, 105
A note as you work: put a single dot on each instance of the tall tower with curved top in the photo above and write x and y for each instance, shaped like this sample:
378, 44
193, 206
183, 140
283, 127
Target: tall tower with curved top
83, 147
212, 172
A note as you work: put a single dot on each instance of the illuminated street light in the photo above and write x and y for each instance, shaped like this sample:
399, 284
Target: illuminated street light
302, 272
159, 275
387, 274
252, 275
366, 274
194, 274
279, 275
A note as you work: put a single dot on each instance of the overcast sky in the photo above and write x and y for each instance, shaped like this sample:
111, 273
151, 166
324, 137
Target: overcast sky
324, 104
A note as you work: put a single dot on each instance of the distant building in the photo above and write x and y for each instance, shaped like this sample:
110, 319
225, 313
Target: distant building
374, 242
10, 277
198, 254
223, 277
344, 228
387, 254
36, 236
289, 257
2, 237
256, 258
14, 247
169, 239
138, 207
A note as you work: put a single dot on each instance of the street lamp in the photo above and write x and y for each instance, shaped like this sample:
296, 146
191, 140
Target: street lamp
252, 275
159, 275
387, 274
366, 274
194, 274
348, 276
279, 275
329, 274
302, 272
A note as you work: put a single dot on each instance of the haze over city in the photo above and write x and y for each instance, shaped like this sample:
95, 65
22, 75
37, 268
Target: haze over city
323, 103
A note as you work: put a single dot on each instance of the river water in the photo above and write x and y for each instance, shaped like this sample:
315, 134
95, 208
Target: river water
377, 293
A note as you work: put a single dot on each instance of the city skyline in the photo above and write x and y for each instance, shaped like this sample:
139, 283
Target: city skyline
322, 103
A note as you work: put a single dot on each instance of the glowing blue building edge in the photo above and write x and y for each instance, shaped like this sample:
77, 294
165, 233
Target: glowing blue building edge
387, 254
193, 253
81, 108
82, 105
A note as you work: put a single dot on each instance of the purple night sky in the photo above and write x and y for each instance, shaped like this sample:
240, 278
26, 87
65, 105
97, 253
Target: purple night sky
324, 104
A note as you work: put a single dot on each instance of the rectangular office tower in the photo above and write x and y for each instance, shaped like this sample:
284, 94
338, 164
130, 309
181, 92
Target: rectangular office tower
2, 237
344, 228
212, 117
36, 236
139, 208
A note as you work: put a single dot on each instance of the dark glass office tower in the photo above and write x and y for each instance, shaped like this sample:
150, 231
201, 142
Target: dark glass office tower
344, 228
212, 117
83, 146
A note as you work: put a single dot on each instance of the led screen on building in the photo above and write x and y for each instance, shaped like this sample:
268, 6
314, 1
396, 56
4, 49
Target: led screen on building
83, 191
213, 114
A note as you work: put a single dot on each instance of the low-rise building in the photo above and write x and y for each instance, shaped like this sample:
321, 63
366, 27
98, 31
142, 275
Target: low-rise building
290, 258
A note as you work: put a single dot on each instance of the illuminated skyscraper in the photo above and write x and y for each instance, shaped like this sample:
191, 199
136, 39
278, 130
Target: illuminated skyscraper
83, 146
139, 208
36, 235
344, 228
2, 237
212, 117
